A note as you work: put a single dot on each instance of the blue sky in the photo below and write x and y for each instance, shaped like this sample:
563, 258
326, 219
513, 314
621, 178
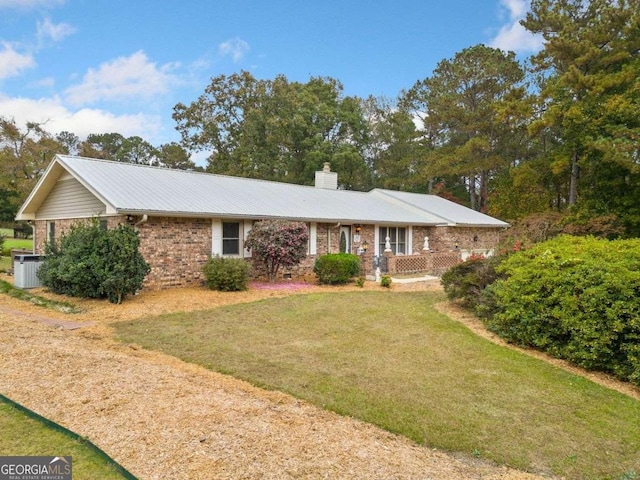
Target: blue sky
91, 66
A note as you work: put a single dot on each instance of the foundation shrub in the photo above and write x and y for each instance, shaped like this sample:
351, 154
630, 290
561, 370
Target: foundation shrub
226, 274
336, 268
91, 262
278, 243
577, 298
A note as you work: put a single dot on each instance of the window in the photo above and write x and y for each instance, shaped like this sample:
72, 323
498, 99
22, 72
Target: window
231, 238
103, 224
397, 239
51, 234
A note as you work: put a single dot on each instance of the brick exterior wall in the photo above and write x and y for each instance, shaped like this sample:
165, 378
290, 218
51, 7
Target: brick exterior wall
177, 248
465, 238
41, 229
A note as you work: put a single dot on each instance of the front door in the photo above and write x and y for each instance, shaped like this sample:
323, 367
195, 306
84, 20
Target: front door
345, 239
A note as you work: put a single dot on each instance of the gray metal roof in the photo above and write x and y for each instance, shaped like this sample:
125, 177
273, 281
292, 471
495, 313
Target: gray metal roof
453, 213
129, 188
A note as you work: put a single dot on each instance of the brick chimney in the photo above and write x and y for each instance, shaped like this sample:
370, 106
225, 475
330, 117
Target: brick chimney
327, 179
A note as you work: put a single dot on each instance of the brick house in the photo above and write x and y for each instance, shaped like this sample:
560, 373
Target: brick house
185, 217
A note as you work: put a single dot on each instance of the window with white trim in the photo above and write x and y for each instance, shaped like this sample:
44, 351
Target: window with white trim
397, 239
230, 238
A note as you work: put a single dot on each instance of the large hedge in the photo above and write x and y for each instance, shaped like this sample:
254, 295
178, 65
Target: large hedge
92, 262
577, 298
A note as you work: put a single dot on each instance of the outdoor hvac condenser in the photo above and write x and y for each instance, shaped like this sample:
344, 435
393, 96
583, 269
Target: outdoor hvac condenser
25, 271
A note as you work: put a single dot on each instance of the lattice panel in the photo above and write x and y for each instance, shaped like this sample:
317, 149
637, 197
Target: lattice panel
412, 264
443, 262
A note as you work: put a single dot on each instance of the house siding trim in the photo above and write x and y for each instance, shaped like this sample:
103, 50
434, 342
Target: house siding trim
70, 199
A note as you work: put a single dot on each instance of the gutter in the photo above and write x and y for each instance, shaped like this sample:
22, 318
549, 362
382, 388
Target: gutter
144, 219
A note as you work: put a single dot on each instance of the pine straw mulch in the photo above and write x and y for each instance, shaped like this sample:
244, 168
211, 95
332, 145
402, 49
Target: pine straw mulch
163, 418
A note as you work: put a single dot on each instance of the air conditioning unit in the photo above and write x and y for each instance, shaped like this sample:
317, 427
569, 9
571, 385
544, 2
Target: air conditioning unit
25, 271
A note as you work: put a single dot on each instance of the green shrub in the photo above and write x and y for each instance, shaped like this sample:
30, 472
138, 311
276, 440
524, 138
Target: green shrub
467, 282
385, 281
278, 243
91, 262
335, 268
577, 298
360, 282
226, 274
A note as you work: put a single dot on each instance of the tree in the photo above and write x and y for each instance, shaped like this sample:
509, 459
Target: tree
395, 147
278, 243
138, 151
472, 107
24, 155
591, 65
69, 141
103, 146
116, 147
172, 155
276, 129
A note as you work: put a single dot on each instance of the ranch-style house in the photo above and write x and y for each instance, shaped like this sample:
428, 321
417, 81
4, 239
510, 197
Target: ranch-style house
185, 217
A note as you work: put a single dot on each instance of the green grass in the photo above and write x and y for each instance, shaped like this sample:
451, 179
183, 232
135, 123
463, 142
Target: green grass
9, 244
65, 307
391, 359
21, 435
5, 263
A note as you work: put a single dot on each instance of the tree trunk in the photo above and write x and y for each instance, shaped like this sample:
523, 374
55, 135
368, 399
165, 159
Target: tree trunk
472, 191
573, 183
484, 188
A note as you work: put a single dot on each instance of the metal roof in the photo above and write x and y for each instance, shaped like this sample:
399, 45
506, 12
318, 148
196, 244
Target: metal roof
453, 213
127, 188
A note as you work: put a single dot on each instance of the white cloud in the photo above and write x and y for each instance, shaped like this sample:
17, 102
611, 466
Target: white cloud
517, 8
133, 77
29, 4
58, 118
13, 63
236, 48
513, 36
47, 82
56, 32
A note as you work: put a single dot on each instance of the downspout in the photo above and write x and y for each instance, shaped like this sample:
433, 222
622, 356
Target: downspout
144, 218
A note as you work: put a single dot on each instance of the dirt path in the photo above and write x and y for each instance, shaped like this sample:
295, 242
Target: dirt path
162, 418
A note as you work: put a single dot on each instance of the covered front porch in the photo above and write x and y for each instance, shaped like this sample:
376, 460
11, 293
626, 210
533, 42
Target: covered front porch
410, 249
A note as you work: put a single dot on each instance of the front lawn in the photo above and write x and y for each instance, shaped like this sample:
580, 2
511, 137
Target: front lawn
21, 435
391, 359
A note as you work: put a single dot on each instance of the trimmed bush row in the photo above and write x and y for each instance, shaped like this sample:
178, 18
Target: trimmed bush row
577, 298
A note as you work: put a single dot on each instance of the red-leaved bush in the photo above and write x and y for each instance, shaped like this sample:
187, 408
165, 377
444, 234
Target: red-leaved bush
278, 243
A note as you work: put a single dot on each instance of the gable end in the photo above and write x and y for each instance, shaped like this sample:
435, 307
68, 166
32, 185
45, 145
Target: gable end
70, 199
